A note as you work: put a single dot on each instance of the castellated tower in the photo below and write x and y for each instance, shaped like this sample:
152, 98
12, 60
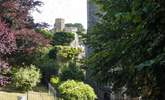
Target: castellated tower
59, 25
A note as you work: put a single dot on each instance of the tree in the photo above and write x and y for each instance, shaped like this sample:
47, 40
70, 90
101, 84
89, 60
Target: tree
16, 13
46, 33
128, 47
26, 78
7, 46
79, 26
64, 53
63, 38
16, 22
7, 40
72, 71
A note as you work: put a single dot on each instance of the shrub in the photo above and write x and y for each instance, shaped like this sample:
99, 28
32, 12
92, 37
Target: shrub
26, 78
55, 80
63, 38
68, 53
4, 73
72, 90
64, 53
45, 33
53, 53
47, 66
72, 71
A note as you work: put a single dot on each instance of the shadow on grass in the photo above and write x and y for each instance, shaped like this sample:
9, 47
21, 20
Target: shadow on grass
10, 89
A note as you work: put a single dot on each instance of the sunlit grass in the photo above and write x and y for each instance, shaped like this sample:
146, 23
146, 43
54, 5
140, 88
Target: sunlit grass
39, 93
31, 95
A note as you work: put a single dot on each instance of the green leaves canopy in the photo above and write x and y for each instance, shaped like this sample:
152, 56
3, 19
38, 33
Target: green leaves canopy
63, 38
72, 90
26, 78
128, 46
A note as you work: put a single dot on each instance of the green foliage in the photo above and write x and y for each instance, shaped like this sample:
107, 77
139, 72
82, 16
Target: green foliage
64, 53
45, 33
128, 46
55, 80
26, 78
72, 71
47, 66
63, 38
53, 52
79, 26
72, 90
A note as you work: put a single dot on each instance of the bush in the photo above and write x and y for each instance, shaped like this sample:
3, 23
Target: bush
45, 33
4, 73
26, 78
64, 53
72, 90
47, 66
72, 71
63, 38
53, 53
55, 80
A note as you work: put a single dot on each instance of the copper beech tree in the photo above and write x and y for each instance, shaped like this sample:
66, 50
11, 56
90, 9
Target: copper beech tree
16, 31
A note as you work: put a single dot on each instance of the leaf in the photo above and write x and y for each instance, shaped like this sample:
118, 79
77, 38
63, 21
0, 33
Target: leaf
145, 64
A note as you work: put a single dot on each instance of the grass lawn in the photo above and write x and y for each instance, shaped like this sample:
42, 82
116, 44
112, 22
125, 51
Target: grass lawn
32, 95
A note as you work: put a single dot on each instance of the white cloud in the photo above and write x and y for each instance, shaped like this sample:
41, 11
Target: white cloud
71, 10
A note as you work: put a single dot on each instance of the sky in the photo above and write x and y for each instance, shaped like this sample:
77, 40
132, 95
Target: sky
73, 11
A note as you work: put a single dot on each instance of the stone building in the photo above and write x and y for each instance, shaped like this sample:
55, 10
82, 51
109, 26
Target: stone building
59, 25
92, 9
70, 29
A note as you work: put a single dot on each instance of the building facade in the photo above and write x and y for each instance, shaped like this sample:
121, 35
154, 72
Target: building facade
92, 9
70, 29
59, 25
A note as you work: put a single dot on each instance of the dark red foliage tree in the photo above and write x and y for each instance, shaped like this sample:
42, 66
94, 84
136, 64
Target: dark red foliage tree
15, 13
7, 40
16, 31
7, 45
27, 40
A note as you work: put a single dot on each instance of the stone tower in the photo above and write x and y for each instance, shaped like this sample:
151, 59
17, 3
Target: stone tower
59, 25
92, 9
